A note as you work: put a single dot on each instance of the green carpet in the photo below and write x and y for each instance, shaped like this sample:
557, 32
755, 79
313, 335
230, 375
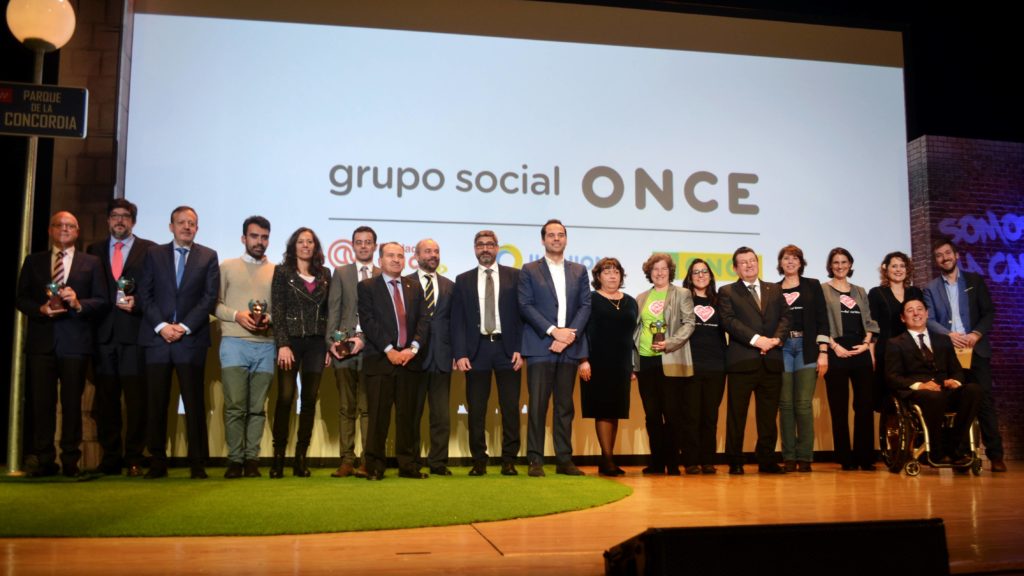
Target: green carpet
178, 506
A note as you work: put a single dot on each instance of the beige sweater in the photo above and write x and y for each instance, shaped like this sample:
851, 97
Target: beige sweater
241, 281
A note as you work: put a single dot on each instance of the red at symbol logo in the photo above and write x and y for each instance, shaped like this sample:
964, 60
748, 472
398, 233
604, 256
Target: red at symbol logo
340, 253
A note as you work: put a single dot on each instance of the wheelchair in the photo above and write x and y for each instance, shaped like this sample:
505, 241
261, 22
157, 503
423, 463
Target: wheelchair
904, 439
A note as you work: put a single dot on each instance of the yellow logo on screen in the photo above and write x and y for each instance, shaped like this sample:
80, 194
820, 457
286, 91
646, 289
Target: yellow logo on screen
719, 263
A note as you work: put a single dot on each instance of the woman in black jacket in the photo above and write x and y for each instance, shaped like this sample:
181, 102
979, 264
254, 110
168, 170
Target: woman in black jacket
299, 308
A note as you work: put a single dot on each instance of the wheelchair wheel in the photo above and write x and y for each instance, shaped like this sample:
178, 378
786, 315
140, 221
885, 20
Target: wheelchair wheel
912, 468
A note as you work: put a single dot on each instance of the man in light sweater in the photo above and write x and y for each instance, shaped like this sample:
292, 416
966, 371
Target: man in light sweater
247, 348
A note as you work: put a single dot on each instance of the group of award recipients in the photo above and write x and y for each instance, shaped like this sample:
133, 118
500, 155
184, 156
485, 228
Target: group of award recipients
141, 312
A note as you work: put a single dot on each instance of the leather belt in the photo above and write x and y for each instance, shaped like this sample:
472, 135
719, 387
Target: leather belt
796, 334
491, 337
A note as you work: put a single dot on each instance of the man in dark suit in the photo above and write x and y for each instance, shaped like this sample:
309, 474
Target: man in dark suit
960, 307
436, 378
395, 325
554, 299
920, 365
178, 292
59, 341
342, 315
754, 315
118, 359
486, 338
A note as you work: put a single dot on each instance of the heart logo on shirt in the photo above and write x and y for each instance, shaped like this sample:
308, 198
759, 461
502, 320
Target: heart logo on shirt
704, 312
845, 300
791, 297
656, 307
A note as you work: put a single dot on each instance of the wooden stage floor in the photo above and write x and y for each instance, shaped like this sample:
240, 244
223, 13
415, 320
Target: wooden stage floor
984, 519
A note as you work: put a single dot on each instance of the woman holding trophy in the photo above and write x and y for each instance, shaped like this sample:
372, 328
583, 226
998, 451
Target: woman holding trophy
663, 363
299, 308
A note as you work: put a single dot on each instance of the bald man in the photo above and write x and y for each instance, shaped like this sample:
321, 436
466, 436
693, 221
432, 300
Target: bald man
59, 341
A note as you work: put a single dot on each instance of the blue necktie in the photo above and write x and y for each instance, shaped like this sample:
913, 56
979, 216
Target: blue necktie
181, 264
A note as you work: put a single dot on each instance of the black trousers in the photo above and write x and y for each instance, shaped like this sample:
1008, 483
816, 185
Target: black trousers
189, 363
397, 389
546, 381
701, 400
45, 370
492, 359
858, 374
766, 387
965, 401
309, 355
662, 397
437, 387
119, 369
981, 372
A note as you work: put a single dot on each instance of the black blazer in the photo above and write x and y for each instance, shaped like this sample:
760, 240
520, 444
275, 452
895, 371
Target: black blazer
377, 320
116, 325
905, 364
815, 316
194, 300
886, 310
437, 355
466, 314
70, 333
743, 319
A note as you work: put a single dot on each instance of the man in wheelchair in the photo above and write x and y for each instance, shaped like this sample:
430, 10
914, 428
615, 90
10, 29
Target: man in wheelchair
921, 366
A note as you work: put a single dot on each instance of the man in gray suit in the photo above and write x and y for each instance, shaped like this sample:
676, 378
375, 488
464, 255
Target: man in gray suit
342, 315
435, 380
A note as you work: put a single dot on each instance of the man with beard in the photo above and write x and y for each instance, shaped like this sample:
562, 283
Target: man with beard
959, 306
486, 338
435, 380
247, 349
554, 299
118, 359
342, 316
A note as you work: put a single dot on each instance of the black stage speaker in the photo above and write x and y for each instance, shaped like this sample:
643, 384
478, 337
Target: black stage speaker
901, 547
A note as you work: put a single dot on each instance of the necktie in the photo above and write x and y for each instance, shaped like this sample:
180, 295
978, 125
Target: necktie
489, 317
399, 311
58, 268
925, 350
117, 263
428, 295
753, 292
183, 252
364, 272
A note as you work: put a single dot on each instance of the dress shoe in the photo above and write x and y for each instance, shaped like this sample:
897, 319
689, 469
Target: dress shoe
691, 470
536, 470
509, 469
707, 469
440, 471
997, 465
868, 467
789, 465
156, 472
345, 470
70, 471
252, 469
963, 461
603, 471
135, 471
234, 471
412, 473
736, 469
848, 467
198, 473
569, 469
277, 465
479, 469
653, 470
361, 471
803, 466
672, 471
375, 475
109, 469
772, 468
962, 471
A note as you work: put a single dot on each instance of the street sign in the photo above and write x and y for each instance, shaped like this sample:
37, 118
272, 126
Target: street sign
38, 110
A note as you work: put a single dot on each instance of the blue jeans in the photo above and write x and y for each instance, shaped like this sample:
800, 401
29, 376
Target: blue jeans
247, 369
796, 415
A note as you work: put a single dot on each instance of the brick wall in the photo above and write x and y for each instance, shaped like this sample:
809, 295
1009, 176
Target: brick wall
973, 191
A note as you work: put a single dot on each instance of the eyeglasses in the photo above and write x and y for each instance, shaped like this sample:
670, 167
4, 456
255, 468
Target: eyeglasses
64, 226
703, 272
120, 216
486, 245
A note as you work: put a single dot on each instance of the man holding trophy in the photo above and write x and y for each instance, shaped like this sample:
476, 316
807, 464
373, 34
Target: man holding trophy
59, 290
118, 359
247, 349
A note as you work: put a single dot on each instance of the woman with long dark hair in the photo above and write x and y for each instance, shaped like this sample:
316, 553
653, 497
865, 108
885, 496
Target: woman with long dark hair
886, 302
299, 308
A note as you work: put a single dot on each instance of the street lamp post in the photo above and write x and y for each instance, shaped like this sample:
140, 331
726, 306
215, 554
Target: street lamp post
42, 26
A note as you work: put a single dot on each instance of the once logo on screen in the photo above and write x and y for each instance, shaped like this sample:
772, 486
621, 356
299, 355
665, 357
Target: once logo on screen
719, 263
341, 253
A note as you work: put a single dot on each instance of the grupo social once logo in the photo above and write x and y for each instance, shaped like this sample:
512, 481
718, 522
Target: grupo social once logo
341, 253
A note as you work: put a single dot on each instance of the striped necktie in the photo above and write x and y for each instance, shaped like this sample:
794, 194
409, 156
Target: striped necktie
428, 295
58, 268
